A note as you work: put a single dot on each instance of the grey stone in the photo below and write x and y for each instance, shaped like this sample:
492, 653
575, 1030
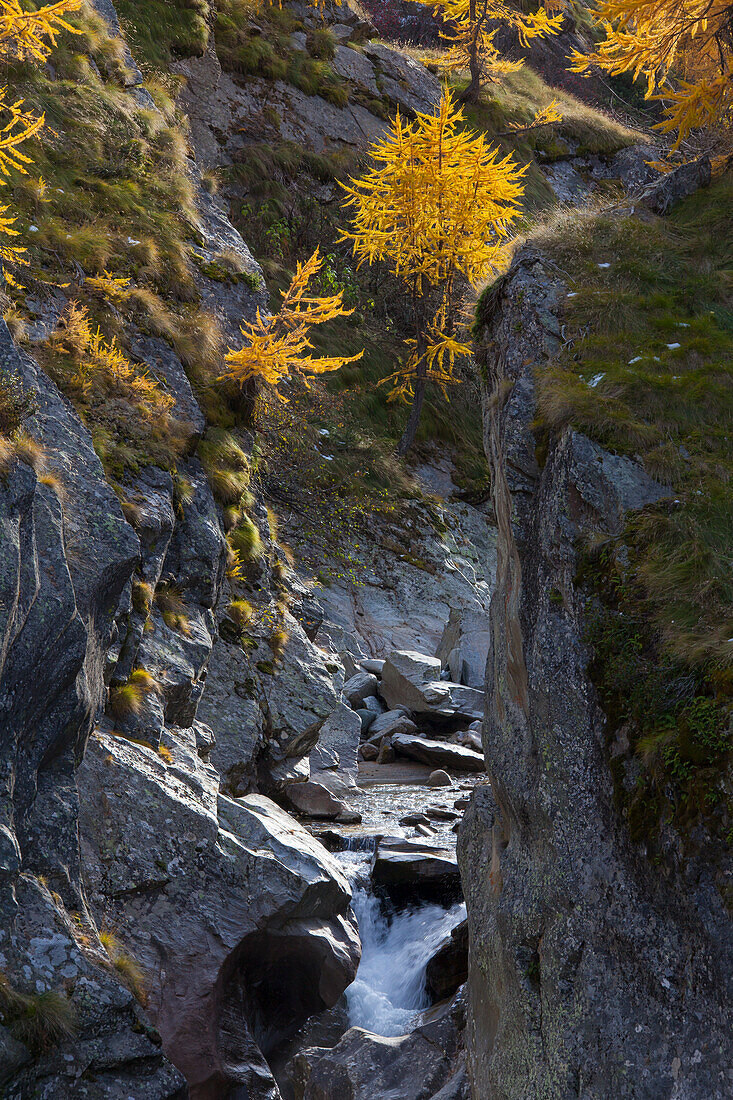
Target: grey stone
339, 736
355, 67
359, 687
447, 969
392, 721
363, 1066
660, 197
439, 778
440, 754
414, 864
314, 800
464, 647
374, 666
278, 901
411, 679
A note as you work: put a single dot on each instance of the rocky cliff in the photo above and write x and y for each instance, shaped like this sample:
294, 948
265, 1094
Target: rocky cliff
593, 972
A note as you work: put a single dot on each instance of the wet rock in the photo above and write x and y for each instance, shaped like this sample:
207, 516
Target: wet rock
414, 864
464, 647
439, 778
358, 688
438, 753
448, 968
415, 819
440, 813
314, 799
362, 1066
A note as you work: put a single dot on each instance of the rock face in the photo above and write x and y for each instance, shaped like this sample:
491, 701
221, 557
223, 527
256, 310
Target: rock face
57, 620
267, 925
589, 975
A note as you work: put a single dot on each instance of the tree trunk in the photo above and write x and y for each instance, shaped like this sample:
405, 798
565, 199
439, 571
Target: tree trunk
408, 436
472, 93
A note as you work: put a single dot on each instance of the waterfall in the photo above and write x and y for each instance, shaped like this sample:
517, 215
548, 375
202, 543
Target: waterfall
389, 990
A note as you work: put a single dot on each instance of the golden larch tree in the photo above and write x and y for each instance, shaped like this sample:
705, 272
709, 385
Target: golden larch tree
278, 346
471, 27
682, 48
436, 207
24, 36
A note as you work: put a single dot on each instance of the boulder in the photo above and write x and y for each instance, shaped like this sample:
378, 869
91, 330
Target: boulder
439, 778
373, 666
386, 753
415, 819
314, 799
392, 721
213, 896
441, 813
448, 967
366, 717
369, 752
464, 647
670, 189
359, 687
409, 679
440, 754
466, 702
363, 1066
373, 703
339, 737
229, 707
412, 864
299, 693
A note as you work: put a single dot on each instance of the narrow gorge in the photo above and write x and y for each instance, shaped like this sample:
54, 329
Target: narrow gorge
331, 772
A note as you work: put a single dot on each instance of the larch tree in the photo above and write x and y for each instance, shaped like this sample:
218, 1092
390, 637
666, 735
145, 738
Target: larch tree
24, 36
278, 346
682, 48
435, 207
470, 29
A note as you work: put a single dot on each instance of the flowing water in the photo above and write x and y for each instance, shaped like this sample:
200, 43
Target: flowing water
389, 991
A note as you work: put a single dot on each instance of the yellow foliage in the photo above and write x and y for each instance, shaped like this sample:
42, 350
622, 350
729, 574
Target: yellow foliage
31, 35
117, 290
436, 207
471, 27
660, 39
95, 357
278, 345
24, 35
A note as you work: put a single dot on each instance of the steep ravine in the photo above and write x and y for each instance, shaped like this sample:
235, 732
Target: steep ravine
593, 972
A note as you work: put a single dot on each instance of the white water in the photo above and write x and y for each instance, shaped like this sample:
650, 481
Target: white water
389, 990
